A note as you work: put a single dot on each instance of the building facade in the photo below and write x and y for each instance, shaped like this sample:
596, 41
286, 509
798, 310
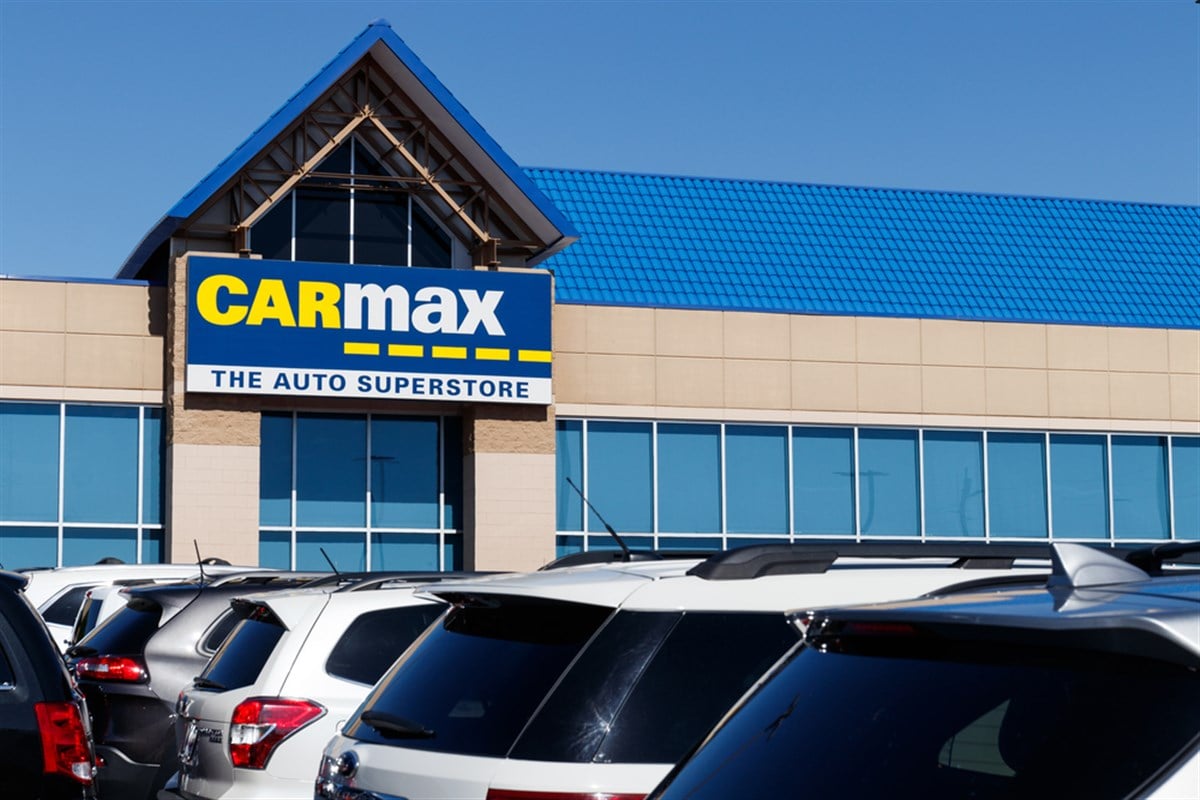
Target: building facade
369, 337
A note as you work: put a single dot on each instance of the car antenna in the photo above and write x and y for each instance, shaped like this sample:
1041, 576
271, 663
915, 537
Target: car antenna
620, 542
199, 562
332, 566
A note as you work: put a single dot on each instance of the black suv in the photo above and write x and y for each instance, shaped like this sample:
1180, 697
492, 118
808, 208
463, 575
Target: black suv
132, 667
45, 740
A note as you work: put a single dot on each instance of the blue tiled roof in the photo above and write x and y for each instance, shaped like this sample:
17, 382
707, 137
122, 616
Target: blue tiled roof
649, 240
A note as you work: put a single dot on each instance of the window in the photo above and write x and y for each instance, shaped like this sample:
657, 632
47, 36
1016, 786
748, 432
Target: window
367, 492
343, 217
244, 651
374, 641
79, 482
705, 486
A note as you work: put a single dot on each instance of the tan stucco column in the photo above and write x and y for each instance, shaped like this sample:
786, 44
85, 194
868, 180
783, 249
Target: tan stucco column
212, 455
508, 487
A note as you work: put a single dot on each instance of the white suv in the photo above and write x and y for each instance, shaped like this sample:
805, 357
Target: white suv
591, 681
298, 663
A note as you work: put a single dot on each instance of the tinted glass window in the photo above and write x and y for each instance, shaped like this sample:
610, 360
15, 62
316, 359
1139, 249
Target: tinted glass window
756, 479
125, 632
100, 466
28, 463
381, 228
1079, 486
1017, 484
953, 483
6, 671
219, 632
823, 480
481, 673
323, 225
376, 639
63, 610
689, 478
271, 236
651, 684
244, 653
1139, 487
1002, 722
1186, 454
430, 244
888, 482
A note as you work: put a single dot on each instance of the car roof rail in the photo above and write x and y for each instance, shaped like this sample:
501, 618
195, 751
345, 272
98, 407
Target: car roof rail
605, 556
381, 580
1151, 559
816, 556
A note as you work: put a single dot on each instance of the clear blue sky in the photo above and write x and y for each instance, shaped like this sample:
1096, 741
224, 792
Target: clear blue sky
111, 111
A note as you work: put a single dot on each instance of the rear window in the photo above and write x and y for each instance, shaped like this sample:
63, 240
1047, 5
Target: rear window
244, 653
652, 683
219, 632
63, 610
919, 718
376, 639
125, 632
481, 673
7, 679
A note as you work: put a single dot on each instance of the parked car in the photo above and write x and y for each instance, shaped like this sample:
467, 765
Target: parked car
296, 666
591, 681
46, 748
132, 667
1087, 686
57, 593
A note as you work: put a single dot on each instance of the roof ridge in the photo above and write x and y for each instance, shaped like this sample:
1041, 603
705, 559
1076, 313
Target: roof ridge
887, 189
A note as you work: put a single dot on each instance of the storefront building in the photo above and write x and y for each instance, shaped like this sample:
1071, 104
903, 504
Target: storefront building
369, 337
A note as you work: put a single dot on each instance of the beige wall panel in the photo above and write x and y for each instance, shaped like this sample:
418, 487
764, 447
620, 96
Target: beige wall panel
625, 380
1017, 392
1079, 394
953, 390
496, 428
1184, 348
758, 384
824, 387
105, 361
751, 335
570, 378
510, 510
688, 333
570, 328
690, 382
1014, 345
889, 388
32, 305
112, 309
1185, 399
883, 340
952, 343
213, 498
152, 362
1076, 347
612, 329
35, 359
1138, 350
1139, 395
816, 338
215, 420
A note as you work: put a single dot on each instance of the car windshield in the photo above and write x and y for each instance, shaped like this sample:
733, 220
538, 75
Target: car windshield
903, 716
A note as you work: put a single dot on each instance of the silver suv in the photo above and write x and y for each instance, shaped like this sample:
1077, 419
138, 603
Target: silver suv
1087, 685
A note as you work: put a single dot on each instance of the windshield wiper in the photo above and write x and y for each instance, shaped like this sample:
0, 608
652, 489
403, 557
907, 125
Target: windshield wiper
205, 683
395, 727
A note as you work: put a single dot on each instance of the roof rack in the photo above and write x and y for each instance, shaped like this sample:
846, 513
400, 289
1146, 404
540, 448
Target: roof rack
816, 556
1150, 559
619, 557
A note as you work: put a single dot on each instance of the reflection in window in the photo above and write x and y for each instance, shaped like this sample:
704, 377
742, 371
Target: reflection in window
1139, 478
408, 470
823, 480
110, 494
1017, 485
889, 491
756, 479
568, 444
953, 483
1079, 486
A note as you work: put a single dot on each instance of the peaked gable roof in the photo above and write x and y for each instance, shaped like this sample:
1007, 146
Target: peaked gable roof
378, 34
736, 245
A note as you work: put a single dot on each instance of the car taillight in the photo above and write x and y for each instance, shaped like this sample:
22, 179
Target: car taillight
517, 794
261, 723
123, 669
65, 746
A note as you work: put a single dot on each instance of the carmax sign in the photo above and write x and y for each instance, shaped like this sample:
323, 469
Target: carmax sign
323, 330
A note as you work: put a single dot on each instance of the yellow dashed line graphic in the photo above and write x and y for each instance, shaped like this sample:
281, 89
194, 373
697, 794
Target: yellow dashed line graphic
449, 352
406, 350
541, 356
360, 349
492, 354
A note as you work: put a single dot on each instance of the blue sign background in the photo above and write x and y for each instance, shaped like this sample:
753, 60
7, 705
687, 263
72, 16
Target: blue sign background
523, 311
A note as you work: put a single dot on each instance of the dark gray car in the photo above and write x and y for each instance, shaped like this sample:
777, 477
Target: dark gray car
133, 666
